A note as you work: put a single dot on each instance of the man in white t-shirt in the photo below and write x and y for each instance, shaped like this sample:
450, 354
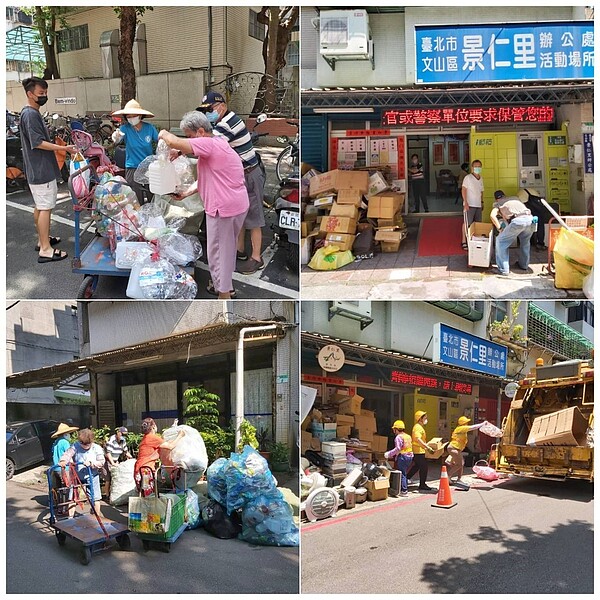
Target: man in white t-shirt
472, 194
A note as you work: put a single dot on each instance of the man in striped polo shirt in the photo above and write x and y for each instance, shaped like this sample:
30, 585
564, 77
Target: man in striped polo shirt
225, 122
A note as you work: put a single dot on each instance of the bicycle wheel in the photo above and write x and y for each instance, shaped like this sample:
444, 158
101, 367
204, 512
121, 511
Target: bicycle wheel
285, 166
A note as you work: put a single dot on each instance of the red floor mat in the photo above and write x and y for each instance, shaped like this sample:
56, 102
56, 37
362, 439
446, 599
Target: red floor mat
440, 236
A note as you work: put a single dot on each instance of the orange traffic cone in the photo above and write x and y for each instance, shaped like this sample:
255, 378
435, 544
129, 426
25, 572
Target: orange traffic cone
444, 497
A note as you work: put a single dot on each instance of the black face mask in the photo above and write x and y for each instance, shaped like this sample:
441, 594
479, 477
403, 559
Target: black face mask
41, 100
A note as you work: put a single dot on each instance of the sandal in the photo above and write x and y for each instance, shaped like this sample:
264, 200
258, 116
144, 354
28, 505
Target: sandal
464, 246
56, 256
53, 242
210, 288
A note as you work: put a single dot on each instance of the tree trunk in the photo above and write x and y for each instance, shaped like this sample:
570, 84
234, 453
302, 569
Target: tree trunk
47, 37
271, 62
128, 21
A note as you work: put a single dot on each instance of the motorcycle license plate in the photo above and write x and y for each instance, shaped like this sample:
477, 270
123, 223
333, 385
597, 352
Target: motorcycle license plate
289, 220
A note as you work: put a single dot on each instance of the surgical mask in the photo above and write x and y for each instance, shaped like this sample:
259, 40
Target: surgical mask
213, 116
477, 170
424, 421
133, 120
41, 100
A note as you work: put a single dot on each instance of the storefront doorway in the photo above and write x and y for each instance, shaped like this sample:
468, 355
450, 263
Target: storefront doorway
441, 156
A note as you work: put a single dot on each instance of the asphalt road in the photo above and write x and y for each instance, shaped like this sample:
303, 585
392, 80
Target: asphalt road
27, 279
520, 536
197, 564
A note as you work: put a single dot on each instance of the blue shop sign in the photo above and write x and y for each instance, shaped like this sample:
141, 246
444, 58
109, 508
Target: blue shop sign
504, 52
459, 349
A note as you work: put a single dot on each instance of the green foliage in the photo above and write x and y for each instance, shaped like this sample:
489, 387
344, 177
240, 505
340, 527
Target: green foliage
264, 439
133, 442
139, 10
201, 413
101, 434
280, 453
247, 435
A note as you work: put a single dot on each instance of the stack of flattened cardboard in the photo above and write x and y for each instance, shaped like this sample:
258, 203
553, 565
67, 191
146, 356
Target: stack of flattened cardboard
386, 207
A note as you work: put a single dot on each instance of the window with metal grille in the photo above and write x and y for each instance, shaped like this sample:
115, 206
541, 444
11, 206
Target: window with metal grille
293, 54
255, 29
549, 333
334, 32
74, 38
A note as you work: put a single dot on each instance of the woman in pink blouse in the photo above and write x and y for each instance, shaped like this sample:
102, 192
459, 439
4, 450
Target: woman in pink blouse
221, 186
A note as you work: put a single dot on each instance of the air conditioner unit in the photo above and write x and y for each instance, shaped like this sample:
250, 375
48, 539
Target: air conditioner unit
345, 35
356, 310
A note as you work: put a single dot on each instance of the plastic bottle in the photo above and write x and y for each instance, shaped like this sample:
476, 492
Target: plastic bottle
162, 177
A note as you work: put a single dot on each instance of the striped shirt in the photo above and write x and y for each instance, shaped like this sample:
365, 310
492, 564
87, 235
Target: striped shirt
114, 448
234, 129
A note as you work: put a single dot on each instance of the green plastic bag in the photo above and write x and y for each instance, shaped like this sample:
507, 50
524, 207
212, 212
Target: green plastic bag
330, 258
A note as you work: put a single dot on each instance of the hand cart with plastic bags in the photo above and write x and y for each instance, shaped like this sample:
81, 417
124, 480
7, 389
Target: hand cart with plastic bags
91, 530
95, 259
157, 519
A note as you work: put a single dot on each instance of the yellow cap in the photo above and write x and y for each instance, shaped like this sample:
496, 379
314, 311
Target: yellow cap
398, 424
419, 414
463, 420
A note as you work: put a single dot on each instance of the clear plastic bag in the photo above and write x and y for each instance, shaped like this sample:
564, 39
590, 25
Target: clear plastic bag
122, 485
192, 509
111, 197
190, 451
217, 484
247, 477
491, 430
180, 249
588, 285
185, 171
268, 520
162, 280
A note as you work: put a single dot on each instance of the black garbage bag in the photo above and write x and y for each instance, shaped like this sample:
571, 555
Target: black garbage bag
217, 523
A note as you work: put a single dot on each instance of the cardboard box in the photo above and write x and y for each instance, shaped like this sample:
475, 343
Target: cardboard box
335, 180
344, 241
324, 201
366, 435
344, 420
385, 205
438, 445
379, 443
480, 244
377, 489
315, 444
305, 441
365, 423
316, 427
344, 210
388, 235
343, 431
351, 406
377, 183
338, 225
367, 413
562, 428
397, 221
352, 197
308, 225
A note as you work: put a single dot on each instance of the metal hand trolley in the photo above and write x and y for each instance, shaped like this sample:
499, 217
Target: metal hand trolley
96, 258
177, 522
91, 530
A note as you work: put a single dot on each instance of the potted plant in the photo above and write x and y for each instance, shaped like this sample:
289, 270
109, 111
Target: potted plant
500, 329
264, 442
280, 457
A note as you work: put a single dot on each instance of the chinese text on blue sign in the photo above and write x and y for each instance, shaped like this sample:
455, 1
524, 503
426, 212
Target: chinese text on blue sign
504, 52
457, 348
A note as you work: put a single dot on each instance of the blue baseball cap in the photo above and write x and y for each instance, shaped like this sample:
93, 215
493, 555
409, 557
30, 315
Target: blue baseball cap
210, 99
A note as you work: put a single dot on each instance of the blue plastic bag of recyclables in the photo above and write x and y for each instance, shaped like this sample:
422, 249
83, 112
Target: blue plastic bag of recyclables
244, 482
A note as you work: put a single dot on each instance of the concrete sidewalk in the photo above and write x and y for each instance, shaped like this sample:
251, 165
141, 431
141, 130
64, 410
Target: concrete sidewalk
408, 276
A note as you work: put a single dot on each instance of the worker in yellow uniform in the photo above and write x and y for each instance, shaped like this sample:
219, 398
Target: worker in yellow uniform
402, 450
458, 442
420, 447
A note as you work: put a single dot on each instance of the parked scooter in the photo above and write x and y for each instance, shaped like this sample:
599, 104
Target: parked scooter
287, 230
288, 160
15, 168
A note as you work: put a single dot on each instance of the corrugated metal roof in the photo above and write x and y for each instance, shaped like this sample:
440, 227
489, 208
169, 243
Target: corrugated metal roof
149, 353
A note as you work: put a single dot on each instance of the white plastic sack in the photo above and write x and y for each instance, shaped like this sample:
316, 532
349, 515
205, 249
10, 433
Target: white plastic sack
491, 430
122, 485
190, 452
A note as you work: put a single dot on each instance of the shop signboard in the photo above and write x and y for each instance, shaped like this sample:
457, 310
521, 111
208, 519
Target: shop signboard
468, 115
465, 54
459, 349
431, 382
588, 152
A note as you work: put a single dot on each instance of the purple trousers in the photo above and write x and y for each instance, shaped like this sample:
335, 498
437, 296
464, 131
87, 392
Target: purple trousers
221, 247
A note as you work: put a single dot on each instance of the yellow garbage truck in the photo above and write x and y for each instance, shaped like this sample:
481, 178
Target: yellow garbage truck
549, 429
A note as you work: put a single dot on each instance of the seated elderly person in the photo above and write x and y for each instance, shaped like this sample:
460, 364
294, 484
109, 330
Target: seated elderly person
518, 225
222, 187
